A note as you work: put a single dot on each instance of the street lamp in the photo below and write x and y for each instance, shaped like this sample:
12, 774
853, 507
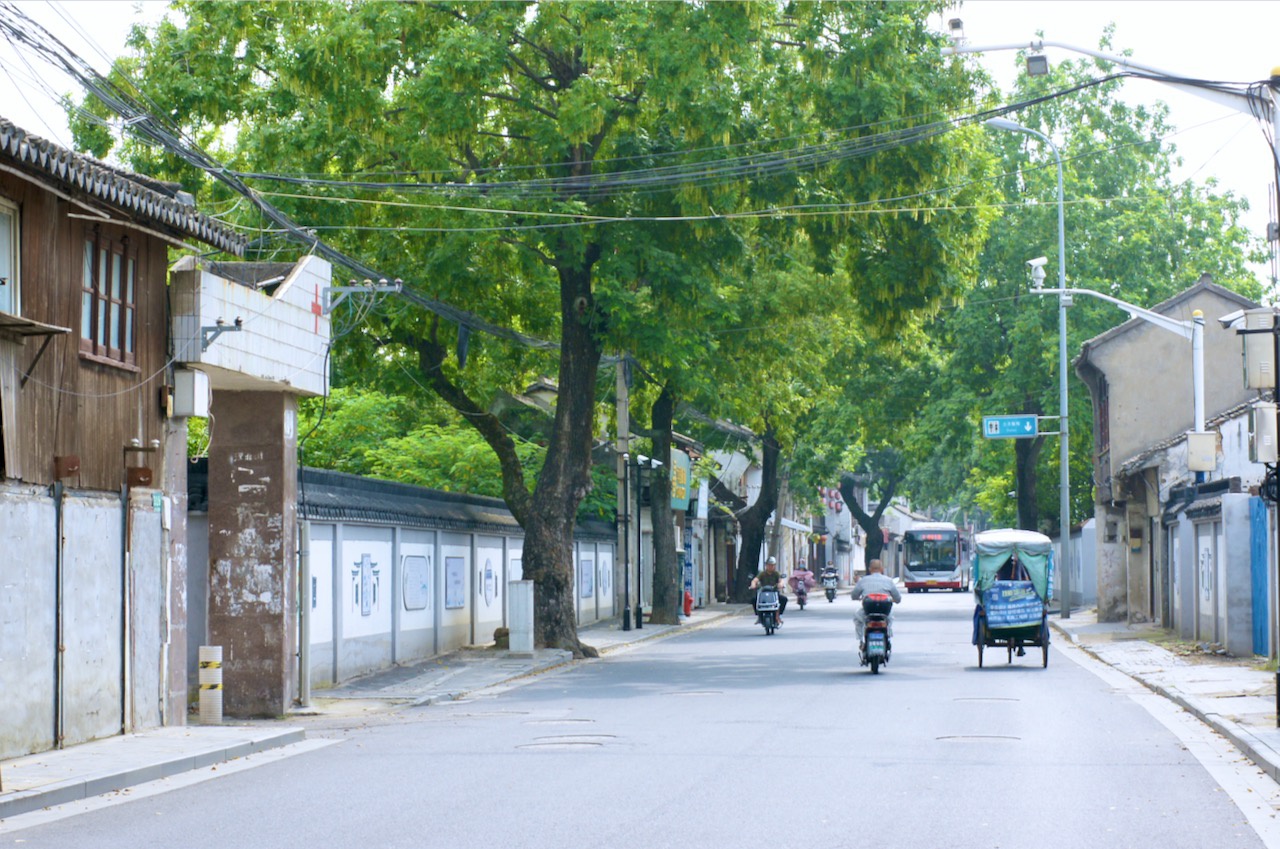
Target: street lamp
1064, 301
648, 463
625, 518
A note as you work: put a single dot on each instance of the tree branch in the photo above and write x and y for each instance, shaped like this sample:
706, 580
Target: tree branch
520, 102
545, 259
431, 355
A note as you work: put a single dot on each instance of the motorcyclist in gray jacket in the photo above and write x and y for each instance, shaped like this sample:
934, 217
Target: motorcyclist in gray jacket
875, 581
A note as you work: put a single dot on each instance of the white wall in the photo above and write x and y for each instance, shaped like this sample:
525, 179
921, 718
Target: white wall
98, 652
284, 334
490, 582
418, 583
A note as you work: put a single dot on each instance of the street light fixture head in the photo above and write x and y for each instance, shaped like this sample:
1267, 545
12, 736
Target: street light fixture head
1005, 124
1037, 65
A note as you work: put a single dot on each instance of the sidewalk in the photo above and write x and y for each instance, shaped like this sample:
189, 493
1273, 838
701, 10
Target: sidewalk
90, 769
1234, 696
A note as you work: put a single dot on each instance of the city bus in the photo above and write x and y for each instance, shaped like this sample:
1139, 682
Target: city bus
932, 558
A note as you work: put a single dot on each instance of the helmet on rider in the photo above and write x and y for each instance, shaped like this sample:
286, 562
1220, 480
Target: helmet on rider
772, 561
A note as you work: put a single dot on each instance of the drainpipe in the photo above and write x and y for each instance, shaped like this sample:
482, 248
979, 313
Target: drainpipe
304, 626
59, 656
124, 609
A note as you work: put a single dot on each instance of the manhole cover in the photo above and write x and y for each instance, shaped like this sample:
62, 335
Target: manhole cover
596, 739
564, 745
979, 738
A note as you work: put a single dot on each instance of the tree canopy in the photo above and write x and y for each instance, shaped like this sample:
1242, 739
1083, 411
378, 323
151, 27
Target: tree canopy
654, 178
1132, 232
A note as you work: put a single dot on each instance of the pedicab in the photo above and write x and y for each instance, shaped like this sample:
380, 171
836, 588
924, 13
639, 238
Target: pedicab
1013, 581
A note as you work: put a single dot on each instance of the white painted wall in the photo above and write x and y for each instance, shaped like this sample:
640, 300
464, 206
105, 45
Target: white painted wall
490, 588
27, 637
95, 703
363, 577
418, 583
283, 338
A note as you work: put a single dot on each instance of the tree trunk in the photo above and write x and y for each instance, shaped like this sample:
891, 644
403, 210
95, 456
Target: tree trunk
548, 515
751, 520
869, 522
1027, 454
666, 574
566, 474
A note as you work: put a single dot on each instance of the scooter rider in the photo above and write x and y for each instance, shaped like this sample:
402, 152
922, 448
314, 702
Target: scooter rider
770, 577
801, 577
875, 581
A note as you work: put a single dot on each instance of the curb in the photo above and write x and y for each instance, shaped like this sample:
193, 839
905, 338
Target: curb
77, 789
672, 631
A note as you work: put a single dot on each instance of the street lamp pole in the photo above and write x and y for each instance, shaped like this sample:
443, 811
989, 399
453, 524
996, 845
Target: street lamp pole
1064, 301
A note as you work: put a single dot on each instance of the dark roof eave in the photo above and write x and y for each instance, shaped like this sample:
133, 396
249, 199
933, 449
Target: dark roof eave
144, 200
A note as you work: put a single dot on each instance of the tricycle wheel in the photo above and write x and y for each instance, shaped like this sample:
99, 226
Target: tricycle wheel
875, 666
981, 640
1045, 664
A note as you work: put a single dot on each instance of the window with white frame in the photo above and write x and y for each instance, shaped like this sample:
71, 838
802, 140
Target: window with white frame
108, 299
8, 257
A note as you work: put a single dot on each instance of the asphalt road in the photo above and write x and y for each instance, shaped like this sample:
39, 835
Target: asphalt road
724, 737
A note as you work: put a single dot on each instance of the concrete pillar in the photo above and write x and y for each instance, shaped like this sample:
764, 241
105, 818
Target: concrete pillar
175, 489
253, 498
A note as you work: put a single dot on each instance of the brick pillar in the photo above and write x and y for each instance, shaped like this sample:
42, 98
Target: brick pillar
253, 499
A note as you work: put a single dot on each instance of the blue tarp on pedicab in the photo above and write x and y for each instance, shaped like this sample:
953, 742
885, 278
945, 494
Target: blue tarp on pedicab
1012, 604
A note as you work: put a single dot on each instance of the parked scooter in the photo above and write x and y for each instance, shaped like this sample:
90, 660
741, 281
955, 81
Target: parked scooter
767, 606
876, 647
829, 582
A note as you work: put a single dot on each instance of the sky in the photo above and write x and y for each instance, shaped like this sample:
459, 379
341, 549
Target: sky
1231, 40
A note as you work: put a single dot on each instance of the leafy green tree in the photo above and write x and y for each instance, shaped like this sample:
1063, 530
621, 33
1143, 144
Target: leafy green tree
497, 144
344, 431
1132, 232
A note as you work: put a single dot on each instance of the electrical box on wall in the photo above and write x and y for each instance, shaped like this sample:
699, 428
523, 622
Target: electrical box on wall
1202, 451
1262, 432
1259, 349
190, 393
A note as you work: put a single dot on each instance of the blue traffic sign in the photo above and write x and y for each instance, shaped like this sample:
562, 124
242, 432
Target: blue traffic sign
1009, 427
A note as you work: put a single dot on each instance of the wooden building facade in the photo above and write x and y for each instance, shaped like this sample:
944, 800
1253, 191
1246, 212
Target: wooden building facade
92, 487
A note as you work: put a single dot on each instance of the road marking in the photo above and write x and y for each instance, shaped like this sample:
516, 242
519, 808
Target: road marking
55, 813
1254, 793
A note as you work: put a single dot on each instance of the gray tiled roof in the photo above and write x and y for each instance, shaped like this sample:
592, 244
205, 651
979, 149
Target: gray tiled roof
141, 198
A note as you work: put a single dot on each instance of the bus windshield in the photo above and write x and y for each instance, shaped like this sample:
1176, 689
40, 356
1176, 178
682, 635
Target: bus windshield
930, 551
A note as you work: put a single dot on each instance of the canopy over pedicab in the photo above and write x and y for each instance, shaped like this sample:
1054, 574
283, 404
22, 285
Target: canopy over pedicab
1013, 582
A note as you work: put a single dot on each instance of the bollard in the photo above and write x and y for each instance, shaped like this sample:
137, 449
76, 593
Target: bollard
211, 685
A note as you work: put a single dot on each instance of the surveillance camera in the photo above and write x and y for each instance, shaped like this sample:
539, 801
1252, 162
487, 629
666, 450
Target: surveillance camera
1038, 262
